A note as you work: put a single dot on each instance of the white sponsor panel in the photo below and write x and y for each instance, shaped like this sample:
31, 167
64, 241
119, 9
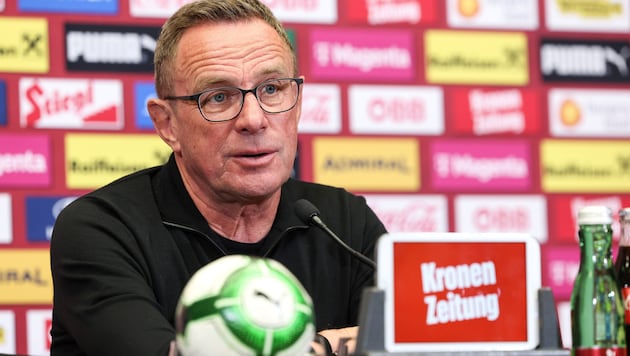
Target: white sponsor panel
38, 324
503, 14
304, 11
410, 212
321, 109
7, 332
502, 213
401, 110
155, 8
589, 112
588, 15
6, 219
71, 103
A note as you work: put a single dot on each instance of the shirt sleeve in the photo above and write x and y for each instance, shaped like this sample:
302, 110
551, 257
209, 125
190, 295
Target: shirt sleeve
103, 298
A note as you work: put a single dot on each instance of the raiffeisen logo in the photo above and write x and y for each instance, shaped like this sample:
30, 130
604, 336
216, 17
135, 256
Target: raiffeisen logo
362, 54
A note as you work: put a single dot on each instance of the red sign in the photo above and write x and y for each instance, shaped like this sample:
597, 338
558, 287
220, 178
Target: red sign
476, 290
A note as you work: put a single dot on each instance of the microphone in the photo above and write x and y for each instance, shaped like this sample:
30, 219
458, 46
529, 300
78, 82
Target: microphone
309, 214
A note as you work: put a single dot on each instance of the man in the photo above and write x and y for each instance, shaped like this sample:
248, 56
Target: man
121, 255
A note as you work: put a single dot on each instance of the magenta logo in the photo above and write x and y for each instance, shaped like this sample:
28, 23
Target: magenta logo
24, 161
488, 165
362, 54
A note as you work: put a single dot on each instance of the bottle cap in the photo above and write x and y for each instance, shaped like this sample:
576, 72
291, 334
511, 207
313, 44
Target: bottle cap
594, 214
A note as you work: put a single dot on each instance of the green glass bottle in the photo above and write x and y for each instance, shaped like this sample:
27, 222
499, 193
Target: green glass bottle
597, 314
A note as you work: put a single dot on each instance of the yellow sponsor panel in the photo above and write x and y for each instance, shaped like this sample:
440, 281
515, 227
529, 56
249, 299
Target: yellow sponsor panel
585, 166
25, 276
93, 160
24, 45
470, 57
367, 164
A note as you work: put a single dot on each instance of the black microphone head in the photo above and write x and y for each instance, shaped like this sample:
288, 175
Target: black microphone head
305, 210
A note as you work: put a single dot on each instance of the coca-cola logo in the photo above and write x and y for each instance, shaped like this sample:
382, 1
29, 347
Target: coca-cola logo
409, 217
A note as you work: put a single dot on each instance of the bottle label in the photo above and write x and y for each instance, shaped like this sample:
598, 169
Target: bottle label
625, 293
600, 351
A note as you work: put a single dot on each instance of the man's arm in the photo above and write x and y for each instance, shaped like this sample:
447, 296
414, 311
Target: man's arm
102, 293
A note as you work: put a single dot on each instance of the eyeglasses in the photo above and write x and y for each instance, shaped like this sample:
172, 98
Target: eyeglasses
225, 103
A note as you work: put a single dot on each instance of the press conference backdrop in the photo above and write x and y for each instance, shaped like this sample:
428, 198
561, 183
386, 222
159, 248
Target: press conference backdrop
448, 115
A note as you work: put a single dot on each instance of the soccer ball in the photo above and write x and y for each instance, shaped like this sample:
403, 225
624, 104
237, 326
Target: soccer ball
244, 305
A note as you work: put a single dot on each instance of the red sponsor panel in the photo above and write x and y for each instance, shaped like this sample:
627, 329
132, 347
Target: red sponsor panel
476, 290
431, 316
563, 212
505, 111
377, 12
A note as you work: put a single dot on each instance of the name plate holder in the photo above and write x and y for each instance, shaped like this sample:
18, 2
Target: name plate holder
456, 294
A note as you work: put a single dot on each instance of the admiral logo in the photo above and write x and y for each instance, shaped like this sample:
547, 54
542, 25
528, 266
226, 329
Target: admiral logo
110, 48
595, 61
458, 307
585, 166
321, 109
25, 276
304, 11
592, 112
355, 54
24, 46
15, 276
481, 165
70, 6
71, 103
522, 14
401, 213
382, 164
41, 213
405, 110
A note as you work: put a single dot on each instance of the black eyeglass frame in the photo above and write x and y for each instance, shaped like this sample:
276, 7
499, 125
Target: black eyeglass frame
195, 97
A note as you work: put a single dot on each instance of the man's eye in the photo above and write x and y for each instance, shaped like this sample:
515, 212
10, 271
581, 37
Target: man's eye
270, 89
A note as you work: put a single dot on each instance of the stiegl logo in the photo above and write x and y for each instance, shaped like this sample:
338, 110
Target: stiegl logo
457, 307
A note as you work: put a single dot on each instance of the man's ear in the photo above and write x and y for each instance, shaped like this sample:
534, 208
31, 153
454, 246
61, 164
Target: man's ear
164, 122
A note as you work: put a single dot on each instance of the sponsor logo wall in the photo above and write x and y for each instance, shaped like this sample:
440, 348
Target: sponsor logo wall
479, 115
